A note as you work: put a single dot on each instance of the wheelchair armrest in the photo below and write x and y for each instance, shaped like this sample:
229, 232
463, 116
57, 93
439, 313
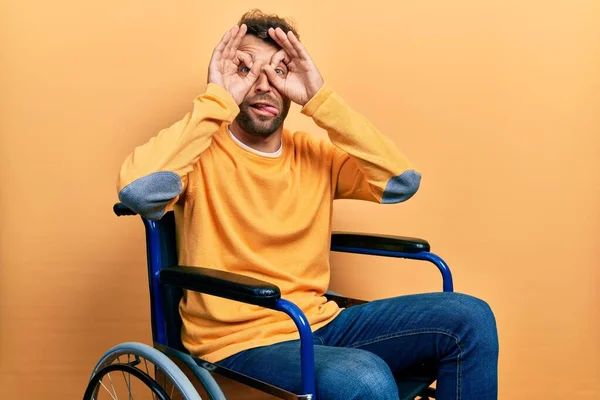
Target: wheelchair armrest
121, 209
341, 241
222, 284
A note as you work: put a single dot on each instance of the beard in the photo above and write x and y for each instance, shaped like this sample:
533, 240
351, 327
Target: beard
261, 125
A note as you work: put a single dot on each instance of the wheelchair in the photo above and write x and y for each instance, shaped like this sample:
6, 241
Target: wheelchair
167, 371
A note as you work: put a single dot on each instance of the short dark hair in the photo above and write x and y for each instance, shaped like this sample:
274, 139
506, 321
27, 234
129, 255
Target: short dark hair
258, 24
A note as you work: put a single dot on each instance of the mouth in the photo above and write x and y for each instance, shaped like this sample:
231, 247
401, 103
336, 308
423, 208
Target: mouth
266, 109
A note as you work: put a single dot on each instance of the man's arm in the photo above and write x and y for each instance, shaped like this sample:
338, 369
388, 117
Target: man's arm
366, 164
154, 176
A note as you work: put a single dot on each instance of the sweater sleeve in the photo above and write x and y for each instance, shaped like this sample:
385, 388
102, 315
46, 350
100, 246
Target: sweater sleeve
154, 176
366, 164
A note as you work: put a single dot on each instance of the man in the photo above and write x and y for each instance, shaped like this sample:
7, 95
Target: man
252, 198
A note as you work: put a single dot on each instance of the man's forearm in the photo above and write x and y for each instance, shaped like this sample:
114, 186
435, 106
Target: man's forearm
378, 158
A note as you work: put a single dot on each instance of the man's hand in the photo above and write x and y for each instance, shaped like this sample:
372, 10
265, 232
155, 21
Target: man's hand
302, 80
226, 62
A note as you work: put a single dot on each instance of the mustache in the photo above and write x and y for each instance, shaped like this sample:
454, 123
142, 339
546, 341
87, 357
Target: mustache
265, 99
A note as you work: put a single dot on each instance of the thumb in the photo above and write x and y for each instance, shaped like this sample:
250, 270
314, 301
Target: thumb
275, 79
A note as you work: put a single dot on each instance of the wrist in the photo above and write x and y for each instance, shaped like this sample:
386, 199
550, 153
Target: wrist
313, 88
312, 91
215, 79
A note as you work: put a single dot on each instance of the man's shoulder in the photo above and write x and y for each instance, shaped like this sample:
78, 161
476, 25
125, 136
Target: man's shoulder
310, 141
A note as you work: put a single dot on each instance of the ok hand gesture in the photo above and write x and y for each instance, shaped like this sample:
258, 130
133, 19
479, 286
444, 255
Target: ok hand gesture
226, 62
302, 80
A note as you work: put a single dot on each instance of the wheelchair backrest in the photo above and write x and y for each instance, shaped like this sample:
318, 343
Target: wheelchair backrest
164, 300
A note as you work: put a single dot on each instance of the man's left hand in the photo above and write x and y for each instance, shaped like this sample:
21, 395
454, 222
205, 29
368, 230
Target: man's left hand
300, 80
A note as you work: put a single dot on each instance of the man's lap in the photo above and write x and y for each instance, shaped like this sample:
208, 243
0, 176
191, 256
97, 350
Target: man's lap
373, 342
417, 322
341, 372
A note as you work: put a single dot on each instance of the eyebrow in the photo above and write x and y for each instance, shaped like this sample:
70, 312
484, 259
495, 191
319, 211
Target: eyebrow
253, 56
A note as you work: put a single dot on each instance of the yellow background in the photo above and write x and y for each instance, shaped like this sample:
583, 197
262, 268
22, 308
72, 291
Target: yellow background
497, 103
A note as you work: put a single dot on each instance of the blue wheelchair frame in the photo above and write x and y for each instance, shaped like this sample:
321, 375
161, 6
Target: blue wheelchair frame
161, 250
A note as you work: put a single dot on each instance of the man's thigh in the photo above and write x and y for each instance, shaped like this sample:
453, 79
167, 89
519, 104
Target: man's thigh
408, 331
342, 373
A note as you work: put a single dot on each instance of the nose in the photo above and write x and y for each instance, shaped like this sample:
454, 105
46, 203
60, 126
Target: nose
262, 84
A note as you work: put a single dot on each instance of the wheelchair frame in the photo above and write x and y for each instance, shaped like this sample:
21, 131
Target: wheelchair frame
167, 280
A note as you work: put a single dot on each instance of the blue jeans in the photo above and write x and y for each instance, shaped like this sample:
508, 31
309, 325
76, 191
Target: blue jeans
361, 353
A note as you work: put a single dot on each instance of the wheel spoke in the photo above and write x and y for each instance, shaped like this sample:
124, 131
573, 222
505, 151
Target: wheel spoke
129, 381
148, 372
158, 372
146, 363
108, 391
151, 376
128, 384
113, 387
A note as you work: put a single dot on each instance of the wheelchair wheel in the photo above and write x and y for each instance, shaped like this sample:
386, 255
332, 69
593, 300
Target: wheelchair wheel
137, 371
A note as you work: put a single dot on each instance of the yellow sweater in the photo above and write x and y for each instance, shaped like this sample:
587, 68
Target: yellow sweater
264, 217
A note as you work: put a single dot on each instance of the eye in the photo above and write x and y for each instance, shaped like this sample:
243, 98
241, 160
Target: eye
279, 71
244, 69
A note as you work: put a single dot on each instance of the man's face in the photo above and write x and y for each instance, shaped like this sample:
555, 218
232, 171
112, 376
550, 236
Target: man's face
264, 109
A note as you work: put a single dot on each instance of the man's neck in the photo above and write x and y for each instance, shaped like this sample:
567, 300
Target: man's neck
269, 144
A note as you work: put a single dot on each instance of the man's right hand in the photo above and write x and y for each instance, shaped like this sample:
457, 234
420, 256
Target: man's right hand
231, 68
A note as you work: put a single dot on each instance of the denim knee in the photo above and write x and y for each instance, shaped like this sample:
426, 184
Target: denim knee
360, 376
475, 319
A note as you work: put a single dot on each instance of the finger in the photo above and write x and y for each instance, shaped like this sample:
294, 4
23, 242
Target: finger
255, 71
245, 58
298, 46
278, 57
227, 52
281, 38
271, 32
277, 81
285, 42
222, 43
238, 39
